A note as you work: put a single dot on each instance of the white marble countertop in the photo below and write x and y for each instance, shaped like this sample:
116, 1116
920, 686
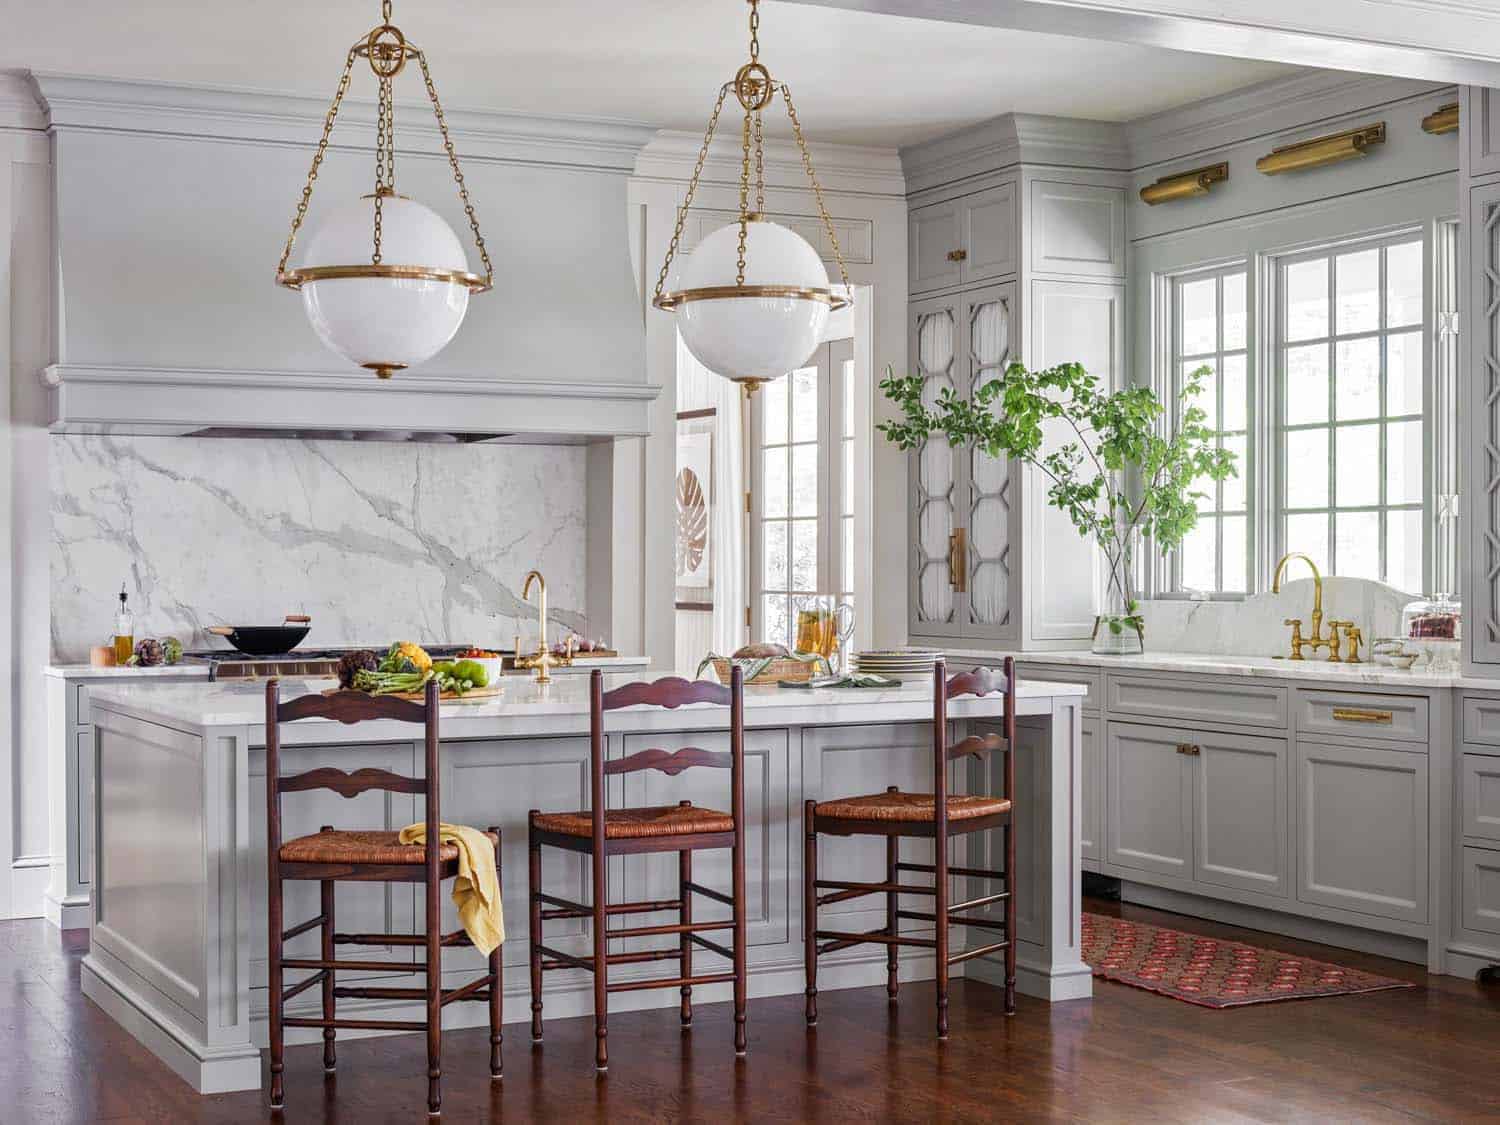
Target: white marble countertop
562, 706
1230, 664
197, 668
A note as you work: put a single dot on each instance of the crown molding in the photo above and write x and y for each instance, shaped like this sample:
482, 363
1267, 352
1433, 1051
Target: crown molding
20, 105
1011, 139
73, 102
843, 169
1264, 110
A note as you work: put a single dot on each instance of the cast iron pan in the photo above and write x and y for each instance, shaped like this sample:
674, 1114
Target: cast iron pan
266, 640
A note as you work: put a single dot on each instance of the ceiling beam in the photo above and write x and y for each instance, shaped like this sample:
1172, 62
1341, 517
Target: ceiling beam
1439, 40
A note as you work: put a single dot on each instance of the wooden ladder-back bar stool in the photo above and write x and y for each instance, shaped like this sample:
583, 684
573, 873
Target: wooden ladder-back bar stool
938, 816
600, 832
330, 856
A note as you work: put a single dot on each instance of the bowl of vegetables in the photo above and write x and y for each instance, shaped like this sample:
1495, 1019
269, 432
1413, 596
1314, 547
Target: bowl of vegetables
405, 668
491, 662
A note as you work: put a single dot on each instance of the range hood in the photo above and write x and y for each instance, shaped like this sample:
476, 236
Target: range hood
170, 205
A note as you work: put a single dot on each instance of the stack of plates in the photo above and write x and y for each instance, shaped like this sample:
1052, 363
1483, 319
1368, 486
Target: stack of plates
898, 663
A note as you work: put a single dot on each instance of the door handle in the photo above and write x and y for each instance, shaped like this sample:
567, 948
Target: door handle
957, 255
1189, 749
958, 560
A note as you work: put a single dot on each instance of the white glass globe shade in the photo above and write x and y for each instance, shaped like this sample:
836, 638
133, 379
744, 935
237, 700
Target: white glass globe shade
753, 337
385, 322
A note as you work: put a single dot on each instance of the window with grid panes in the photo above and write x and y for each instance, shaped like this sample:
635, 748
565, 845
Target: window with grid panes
802, 507
1350, 360
1209, 330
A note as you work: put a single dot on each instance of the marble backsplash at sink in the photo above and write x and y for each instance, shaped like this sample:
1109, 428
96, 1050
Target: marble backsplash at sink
375, 540
1254, 626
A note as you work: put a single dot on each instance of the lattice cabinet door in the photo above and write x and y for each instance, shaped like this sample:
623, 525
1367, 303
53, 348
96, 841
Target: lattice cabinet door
988, 510
936, 607
1481, 420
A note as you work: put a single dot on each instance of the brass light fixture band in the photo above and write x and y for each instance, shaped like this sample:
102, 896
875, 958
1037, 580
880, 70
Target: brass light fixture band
670, 301
1442, 120
1184, 185
296, 278
1322, 150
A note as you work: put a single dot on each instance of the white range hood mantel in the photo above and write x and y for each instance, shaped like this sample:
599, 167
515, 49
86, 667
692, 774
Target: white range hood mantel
180, 401
171, 204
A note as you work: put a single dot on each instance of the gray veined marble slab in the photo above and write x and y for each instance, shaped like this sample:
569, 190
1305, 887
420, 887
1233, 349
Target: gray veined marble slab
377, 541
1228, 664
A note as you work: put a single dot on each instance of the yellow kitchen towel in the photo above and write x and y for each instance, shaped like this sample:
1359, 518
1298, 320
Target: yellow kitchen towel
476, 890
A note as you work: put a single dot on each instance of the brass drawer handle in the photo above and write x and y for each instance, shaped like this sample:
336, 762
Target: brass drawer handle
958, 561
1189, 749
1362, 715
957, 255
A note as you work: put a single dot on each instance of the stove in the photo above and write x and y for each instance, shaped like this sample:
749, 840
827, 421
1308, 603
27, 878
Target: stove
315, 663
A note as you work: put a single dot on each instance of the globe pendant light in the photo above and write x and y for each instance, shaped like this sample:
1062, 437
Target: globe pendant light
754, 298
385, 281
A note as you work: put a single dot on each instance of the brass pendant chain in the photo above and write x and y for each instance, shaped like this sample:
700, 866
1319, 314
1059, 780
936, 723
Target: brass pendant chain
739, 277
317, 162
687, 199
458, 176
385, 159
807, 165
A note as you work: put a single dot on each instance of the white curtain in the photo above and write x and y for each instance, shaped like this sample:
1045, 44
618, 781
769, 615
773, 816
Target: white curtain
697, 388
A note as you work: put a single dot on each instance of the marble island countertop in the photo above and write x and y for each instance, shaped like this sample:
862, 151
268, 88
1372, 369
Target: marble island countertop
196, 667
1234, 664
560, 707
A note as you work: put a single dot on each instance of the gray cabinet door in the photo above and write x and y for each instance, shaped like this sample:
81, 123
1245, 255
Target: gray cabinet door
988, 222
1241, 837
936, 607
1150, 810
1362, 829
933, 244
1091, 817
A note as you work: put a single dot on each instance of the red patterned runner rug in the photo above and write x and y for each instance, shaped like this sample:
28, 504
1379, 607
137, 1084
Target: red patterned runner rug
1210, 972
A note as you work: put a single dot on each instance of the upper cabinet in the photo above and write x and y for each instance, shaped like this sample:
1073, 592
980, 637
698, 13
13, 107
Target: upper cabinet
1077, 230
963, 241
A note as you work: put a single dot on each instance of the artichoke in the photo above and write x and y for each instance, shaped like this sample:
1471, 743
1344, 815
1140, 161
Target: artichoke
171, 649
352, 663
148, 653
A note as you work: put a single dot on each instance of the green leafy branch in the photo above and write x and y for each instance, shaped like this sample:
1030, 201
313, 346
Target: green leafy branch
1111, 467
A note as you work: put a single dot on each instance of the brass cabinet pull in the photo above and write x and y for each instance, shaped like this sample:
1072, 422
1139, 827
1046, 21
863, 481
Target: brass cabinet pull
1362, 715
1189, 749
957, 255
958, 564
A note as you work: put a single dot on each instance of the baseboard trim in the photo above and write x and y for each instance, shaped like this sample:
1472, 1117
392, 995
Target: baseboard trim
1394, 946
70, 913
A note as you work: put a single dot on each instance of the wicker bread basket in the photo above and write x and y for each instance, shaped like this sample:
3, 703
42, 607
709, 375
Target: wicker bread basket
776, 672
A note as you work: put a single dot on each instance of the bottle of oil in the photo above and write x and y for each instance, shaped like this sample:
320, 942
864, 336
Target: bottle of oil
124, 631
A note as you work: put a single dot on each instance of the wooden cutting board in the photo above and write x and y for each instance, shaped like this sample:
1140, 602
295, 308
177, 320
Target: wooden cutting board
473, 695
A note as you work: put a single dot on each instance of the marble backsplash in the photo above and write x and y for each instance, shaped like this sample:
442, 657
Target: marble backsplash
1254, 626
375, 540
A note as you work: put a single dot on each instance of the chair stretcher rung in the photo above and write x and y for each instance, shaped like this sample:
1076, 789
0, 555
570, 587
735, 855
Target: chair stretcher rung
712, 946
709, 892
967, 872
356, 966
842, 939
670, 982
644, 955
468, 991
298, 930
567, 908
953, 919
970, 954
303, 985
561, 960
457, 937
975, 903
356, 1025
873, 888
672, 928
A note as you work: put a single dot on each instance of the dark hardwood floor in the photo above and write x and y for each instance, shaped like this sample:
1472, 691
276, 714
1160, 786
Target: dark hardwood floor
1431, 1053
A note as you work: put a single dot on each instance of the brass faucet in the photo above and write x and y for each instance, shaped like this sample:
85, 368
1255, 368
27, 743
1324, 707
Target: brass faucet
1353, 638
1317, 640
543, 658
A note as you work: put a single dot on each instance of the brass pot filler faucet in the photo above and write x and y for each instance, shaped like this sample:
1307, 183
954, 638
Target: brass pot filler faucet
1352, 635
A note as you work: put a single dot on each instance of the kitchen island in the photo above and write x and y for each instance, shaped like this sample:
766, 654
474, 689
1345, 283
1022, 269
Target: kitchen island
177, 934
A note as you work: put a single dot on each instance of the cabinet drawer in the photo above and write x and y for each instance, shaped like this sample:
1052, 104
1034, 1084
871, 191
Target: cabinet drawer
1363, 715
1064, 674
1480, 789
1479, 890
1482, 720
1247, 704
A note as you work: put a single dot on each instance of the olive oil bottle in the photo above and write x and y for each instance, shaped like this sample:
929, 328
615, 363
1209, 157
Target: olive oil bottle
124, 631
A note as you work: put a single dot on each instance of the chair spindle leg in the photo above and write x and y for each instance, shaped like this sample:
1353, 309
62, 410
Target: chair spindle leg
810, 908
330, 1060
684, 877
601, 959
497, 985
534, 873
892, 857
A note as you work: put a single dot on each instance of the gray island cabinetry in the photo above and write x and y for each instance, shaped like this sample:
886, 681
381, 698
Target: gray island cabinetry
177, 936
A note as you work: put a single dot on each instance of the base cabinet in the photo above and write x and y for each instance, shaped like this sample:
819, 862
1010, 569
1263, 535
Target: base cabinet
1362, 829
1150, 786
1091, 787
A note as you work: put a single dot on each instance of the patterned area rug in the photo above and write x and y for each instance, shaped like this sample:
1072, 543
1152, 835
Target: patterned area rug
1210, 972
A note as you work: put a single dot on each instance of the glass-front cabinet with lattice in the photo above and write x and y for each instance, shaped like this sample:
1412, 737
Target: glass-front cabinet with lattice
963, 519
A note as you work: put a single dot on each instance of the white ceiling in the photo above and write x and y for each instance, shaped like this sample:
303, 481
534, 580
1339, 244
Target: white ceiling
857, 77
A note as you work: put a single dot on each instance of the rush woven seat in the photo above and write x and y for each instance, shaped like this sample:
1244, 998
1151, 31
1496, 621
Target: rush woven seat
909, 807
634, 824
342, 846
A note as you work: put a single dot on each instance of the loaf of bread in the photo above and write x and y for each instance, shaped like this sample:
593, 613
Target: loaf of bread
760, 651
